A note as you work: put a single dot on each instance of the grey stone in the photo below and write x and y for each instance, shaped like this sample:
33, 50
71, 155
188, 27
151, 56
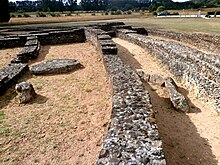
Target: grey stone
25, 92
10, 74
198, 71
178, 100
156, 79
55, 66
109, 49
144, 77
140, 30
31, 42
131, 133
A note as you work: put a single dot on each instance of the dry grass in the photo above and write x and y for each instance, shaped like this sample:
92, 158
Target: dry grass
7, 55
198, 25
66, 123
75, 18
194, 11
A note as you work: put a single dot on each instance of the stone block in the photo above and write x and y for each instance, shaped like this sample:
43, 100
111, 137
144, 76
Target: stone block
55, 66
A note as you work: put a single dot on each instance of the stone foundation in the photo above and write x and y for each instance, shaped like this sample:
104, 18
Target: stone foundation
132, 137
202, 41
197, 70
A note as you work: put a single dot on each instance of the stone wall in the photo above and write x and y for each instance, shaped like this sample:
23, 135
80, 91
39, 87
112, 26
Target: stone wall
31, 46
197, 70
30, 50
46, 38
132, 137
202, 41
10, 74
62, 37
12, 42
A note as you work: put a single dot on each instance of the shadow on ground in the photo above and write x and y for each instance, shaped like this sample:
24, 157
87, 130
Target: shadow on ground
182, 143
44, 50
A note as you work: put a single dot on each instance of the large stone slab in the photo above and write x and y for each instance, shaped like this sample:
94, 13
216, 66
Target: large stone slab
55, 66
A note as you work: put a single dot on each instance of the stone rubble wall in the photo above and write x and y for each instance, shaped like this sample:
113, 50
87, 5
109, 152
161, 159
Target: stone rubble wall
188, 65
46, 38
62, 37
29, 52
132, 137
10, 74
12, 42
31, 46
208, 42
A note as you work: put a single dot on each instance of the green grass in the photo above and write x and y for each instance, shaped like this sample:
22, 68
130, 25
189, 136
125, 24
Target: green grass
179, 24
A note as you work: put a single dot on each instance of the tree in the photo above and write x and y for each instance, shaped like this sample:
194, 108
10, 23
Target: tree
72, 4
4, 11
152, 7
160, 9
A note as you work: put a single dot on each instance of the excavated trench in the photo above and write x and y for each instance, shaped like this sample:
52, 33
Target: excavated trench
190, 138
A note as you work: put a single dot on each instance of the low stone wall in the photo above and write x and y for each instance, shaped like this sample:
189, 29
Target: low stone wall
29, 52
12, 42
50, 38
186, 64
202, 41
132, 137
62, 37
10, 74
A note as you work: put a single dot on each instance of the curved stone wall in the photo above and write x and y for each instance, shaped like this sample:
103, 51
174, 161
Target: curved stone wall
199, 71
132, 137
202, 41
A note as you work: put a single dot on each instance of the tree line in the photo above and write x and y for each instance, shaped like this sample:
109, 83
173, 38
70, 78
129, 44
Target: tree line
97, 5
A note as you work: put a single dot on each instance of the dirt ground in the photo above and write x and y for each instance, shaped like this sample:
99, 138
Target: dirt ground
7, 55
188, 139
67, 121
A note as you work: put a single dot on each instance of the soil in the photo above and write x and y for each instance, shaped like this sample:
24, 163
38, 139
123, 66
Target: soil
192, 138
66, 122
7, 55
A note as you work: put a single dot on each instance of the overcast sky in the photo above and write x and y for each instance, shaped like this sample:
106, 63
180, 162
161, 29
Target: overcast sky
79, 0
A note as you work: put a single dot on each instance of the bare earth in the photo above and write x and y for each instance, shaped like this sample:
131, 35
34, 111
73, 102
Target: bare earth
7, 55
67, 121
188, 139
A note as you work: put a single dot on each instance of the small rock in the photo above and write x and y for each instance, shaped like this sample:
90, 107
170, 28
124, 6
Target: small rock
25, 92
156, 79
178, 100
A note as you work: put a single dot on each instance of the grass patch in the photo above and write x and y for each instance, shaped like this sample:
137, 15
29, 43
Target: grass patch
179, 24
2, 116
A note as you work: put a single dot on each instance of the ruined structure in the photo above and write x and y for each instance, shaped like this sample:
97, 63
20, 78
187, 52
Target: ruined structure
132, 136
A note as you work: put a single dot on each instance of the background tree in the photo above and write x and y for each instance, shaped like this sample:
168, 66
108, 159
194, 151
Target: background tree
160, 9
4, 11
72, 5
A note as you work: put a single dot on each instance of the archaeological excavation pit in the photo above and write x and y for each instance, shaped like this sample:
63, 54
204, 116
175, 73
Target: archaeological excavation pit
105, 112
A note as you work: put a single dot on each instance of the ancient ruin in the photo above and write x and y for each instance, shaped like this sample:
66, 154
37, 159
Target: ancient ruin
132, 136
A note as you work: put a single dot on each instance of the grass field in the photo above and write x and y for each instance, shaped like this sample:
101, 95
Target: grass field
171, 24
74, 18
178, 24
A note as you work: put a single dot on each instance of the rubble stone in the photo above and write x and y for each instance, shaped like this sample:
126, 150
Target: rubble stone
178, 100
25, 92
